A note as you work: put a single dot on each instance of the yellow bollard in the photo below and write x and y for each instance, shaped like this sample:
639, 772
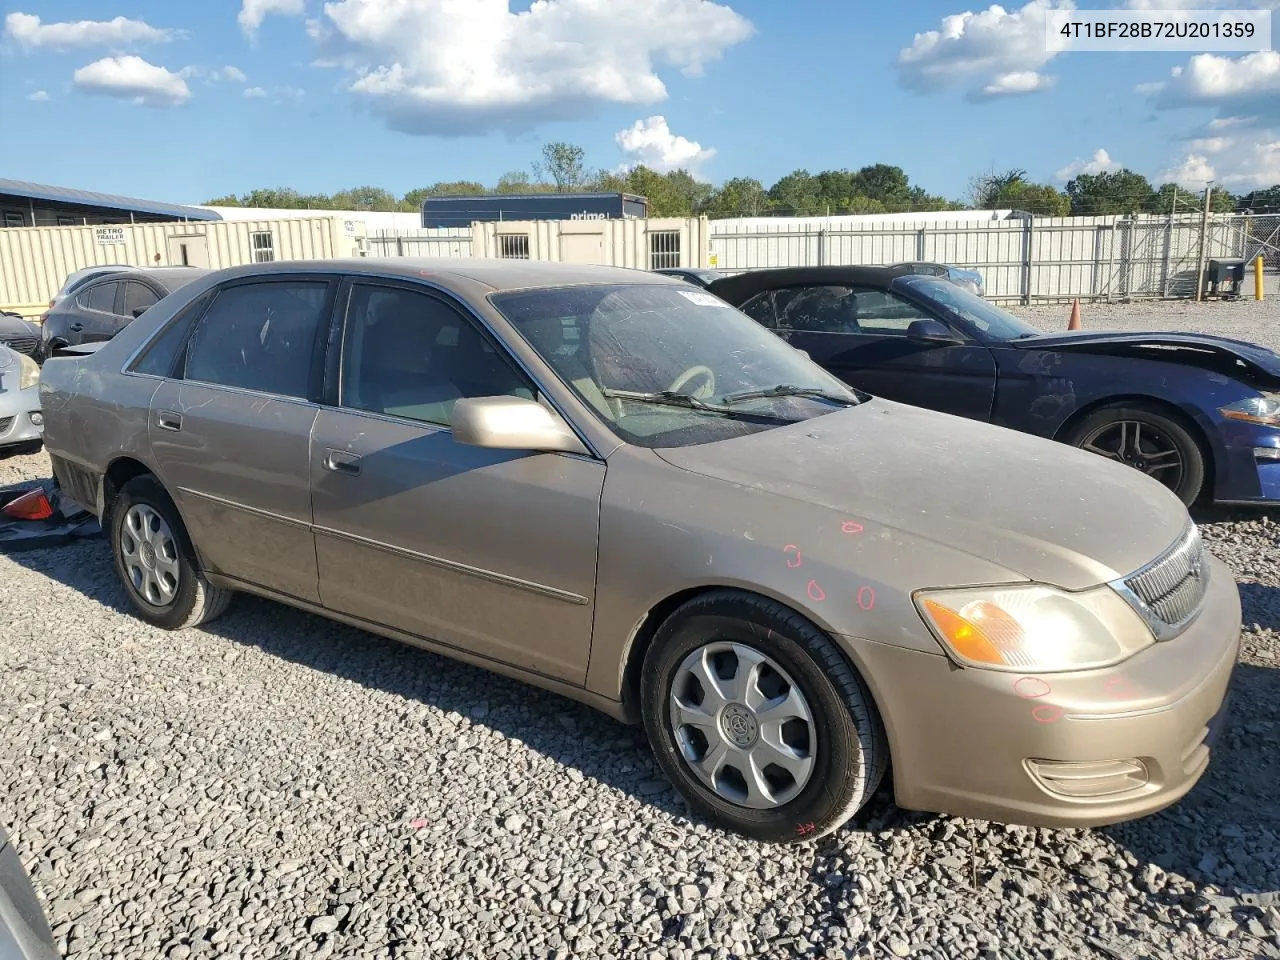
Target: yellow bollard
1257, 278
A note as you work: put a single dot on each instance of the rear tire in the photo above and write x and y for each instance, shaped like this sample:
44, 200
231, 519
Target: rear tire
803, 777
1165, 449
156, 561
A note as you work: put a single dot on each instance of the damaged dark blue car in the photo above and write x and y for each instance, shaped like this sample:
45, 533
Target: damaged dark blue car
1199, 413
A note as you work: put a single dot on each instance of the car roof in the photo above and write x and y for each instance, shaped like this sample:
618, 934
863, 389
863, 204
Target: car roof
740, 288
496, 275
168, 277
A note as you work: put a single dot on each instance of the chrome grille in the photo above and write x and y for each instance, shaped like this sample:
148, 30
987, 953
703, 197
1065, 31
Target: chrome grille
1173, 586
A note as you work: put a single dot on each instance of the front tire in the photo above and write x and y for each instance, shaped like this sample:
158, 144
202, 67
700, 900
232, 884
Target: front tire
156, 561
758, 720
1148, 439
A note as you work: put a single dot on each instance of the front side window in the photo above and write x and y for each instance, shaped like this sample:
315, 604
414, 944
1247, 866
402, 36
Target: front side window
260, 336
409, 354
665, 366
884, 314
824, 308
138, 297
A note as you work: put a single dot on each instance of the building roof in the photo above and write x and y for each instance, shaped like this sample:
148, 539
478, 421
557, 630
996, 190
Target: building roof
87, 198
546, 195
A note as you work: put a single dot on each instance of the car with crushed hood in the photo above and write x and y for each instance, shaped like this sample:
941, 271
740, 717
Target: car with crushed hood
615, 486
1199, 413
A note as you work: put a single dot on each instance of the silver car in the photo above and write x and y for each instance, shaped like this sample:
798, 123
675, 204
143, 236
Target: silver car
21, 423
616, 486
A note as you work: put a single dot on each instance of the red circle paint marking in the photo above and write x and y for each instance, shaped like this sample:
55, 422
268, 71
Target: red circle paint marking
849, 526
1047, 713
866, 598
1120, 688
1029, 688
815, 592
788, 549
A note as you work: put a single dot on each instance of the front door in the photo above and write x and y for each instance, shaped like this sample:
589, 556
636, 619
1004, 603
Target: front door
490, 551
232, 435
864, 336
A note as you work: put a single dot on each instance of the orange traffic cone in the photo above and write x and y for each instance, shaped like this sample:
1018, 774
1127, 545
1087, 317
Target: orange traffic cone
1074, 322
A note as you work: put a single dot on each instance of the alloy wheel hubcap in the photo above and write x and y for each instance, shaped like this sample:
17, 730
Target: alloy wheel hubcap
149, 555
1140, 445
742, 726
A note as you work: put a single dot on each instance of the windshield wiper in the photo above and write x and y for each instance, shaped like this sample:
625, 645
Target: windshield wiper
671, 398
787, 390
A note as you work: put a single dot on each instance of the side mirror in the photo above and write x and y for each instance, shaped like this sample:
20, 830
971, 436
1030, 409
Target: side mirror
933, 331
511, 423
139, 311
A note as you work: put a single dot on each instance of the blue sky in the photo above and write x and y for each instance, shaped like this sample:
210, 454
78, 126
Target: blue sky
322, 96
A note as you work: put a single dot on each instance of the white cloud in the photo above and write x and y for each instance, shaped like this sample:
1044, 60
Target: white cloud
30, 32
1210, 144
651, 142
1192, 173
234, 74
39, 96
1013, 85
253, 12
993, 50
1202, 4
450, 68
1209, 79
277, 94
132, 78
1100, 162
255, 92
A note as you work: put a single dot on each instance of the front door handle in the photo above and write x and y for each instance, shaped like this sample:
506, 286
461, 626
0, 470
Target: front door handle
77, 327
168, 420
339, 461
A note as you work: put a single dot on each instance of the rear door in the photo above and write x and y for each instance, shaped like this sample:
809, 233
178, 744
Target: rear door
138, 298
95, 314
864, 336
489, 551
231, 432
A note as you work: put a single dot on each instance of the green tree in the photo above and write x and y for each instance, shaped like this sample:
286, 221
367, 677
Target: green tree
1260, 201
364, 198
888, 185
1038, 199
796, 195
1171, 198
516, 181
1111, 192
664, 199
564, 164
230, 200
739, 197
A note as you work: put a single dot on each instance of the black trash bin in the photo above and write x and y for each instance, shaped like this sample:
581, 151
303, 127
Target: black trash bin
1223, 278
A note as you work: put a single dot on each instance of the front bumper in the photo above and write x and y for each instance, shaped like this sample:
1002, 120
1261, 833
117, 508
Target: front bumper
17, 425
1058, 750
1248, 467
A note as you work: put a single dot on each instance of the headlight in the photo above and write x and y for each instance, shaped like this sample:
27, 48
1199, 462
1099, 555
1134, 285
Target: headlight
29, 374
1032, 628
1264, 409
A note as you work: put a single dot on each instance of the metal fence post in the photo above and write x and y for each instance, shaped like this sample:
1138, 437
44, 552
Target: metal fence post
822, 246
1028, 239
920, 243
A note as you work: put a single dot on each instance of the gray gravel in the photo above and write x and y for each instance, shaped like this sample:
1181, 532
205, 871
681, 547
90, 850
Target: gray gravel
280, 786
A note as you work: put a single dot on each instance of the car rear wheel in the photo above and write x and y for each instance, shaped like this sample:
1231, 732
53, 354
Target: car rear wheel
1146, 439
758, 720
156, 562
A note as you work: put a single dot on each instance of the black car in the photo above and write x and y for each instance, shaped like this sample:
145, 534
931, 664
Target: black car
101, 308
1199, 413
19, 335
699, 277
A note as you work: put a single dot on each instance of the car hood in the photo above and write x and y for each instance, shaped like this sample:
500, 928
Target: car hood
1039, 509
11, 326
1246, 360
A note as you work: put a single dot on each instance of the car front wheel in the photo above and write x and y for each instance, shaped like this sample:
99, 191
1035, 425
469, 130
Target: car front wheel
758, 720
1147, 439
156, 562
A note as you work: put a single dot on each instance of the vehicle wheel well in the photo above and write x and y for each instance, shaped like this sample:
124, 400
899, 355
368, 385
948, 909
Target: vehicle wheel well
1164, 408
121, 471
658, 615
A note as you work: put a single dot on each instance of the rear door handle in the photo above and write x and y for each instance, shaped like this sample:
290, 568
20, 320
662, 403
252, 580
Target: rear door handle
77, 327
339, 461
168, 420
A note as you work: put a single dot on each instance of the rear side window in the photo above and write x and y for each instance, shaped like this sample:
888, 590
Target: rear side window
101, 297
138, 296
262, 337
161, 355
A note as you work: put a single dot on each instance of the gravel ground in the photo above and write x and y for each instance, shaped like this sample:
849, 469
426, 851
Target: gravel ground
280, 786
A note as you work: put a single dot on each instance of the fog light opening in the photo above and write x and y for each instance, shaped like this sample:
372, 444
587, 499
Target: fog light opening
1085, 781
37, 418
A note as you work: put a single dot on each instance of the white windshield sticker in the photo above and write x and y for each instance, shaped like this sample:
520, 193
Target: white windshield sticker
702, 299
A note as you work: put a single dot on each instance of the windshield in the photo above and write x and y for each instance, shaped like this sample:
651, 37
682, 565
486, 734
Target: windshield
997, 324
667, 366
